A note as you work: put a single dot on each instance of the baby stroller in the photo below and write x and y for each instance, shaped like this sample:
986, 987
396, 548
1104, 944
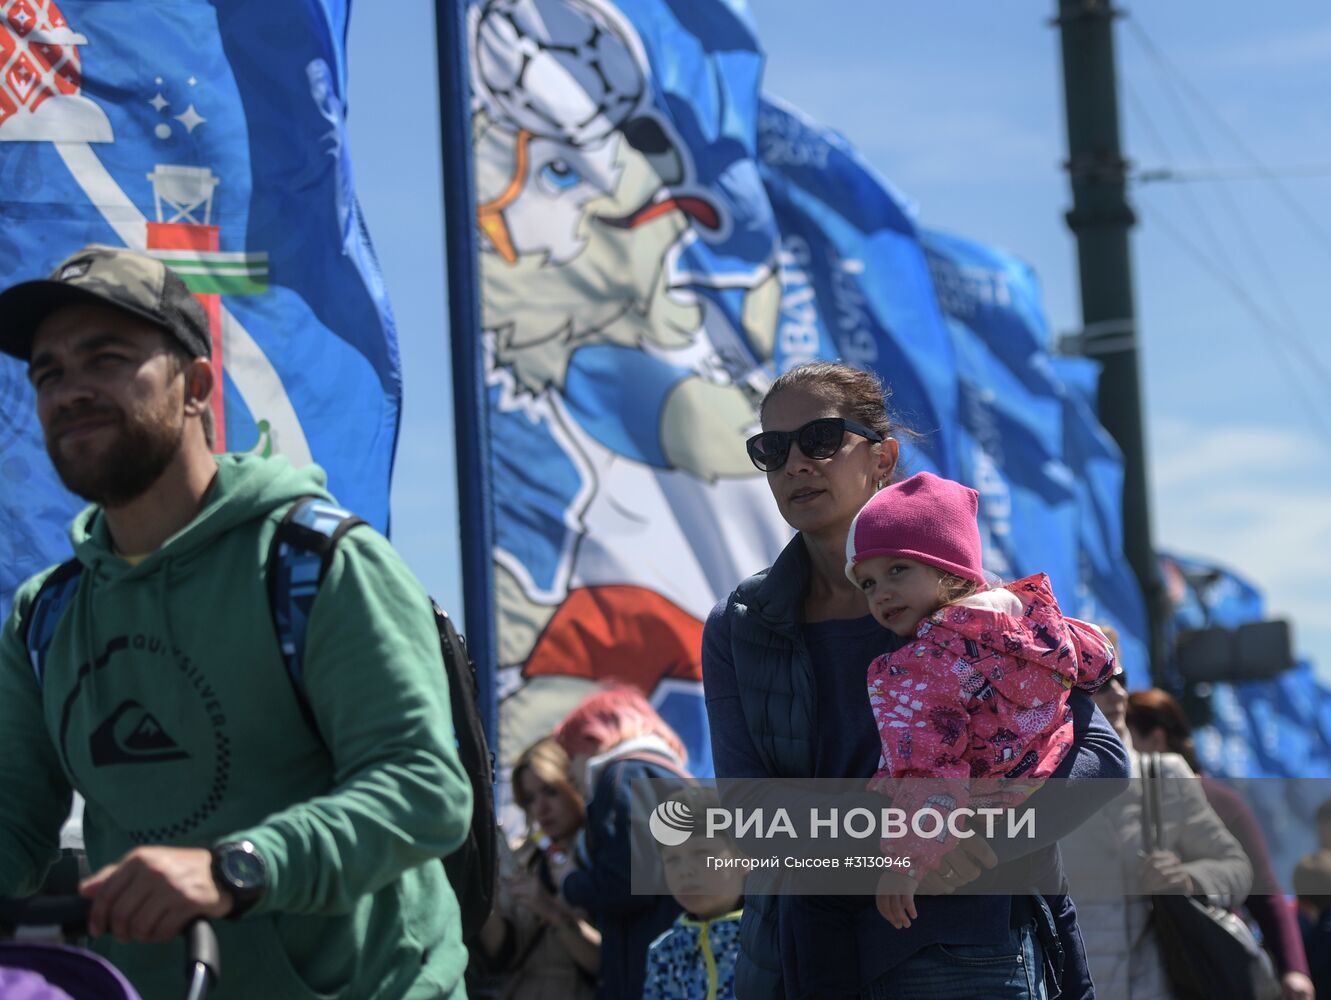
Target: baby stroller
33, 970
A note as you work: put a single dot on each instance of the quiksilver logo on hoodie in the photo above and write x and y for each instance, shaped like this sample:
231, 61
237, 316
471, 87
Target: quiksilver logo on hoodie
162, 754
131, 735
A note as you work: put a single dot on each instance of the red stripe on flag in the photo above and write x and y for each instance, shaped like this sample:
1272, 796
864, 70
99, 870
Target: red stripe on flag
188, 236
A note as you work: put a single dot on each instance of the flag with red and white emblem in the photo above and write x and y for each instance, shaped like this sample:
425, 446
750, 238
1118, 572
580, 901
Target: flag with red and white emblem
211, 135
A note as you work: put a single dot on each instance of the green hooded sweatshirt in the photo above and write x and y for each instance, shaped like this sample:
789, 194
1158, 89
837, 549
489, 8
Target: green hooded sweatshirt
167, 705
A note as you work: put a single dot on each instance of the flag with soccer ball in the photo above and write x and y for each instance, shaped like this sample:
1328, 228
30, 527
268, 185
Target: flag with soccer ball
629, 306
185, 130
656, 244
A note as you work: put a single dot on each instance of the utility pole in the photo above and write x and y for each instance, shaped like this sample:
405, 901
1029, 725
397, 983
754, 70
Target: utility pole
1100, 219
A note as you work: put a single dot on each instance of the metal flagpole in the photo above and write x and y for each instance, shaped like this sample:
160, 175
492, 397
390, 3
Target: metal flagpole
475, 509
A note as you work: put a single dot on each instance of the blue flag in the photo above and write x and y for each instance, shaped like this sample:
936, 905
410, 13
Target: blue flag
212, 136
1275, 729
1280, 722
1202, 593
1096, 466
1049, 477
628, 299
1010, 414
855, 284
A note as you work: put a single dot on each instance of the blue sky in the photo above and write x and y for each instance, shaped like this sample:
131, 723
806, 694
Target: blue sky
960, 105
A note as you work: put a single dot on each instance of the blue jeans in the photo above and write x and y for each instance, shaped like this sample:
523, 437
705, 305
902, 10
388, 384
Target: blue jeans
1013, 970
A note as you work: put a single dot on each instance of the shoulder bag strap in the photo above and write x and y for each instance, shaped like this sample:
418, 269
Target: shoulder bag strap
1148, 802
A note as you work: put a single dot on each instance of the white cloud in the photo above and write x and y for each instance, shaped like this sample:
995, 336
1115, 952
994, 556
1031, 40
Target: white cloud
1185, 454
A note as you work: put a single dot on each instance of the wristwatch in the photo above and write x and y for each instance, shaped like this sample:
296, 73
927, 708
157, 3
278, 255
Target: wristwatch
239, 869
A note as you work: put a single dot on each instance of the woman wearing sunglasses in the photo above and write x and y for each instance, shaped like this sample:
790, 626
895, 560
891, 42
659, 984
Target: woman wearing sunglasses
784, 662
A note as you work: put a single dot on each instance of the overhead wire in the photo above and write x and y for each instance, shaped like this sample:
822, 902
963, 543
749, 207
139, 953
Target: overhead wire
1251, 305
1318, 231
1295, 341
1175, 84
1191, 175
1227, 276
1189, 195
1291, 339
1227, 271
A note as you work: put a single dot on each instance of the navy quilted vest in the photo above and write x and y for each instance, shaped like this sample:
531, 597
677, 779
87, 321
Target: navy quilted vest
775, 679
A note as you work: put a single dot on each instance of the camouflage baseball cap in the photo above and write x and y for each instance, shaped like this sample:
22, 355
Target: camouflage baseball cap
105, 275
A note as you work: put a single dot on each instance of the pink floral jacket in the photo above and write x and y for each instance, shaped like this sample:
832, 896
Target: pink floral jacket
980, 693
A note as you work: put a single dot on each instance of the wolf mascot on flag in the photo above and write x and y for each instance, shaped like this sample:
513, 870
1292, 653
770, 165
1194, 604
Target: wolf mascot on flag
629, 306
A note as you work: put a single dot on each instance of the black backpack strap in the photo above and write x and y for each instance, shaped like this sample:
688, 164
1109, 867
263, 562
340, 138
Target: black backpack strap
299, 555
473, 868
301, 551
463, 692
48, 606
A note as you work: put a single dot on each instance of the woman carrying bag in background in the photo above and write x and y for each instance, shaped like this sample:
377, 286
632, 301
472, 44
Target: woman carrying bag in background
1114, 868
1158, 724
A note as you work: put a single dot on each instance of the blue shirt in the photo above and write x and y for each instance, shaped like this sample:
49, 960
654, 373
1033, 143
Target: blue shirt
849, 747
841, 650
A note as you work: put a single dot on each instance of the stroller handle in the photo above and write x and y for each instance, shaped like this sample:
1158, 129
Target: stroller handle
71, 913
67, 912
201, 950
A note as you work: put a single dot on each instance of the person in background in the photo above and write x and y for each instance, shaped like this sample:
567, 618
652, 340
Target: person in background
1198, 855
547, 947
614, 737
1323, 817
1157, 724
695, 959
784, 660
1312, 887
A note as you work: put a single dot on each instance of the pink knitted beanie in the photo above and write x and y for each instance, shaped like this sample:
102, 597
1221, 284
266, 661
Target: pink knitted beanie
925, 518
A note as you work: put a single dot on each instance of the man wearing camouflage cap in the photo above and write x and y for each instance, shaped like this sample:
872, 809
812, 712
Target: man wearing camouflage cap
158, 690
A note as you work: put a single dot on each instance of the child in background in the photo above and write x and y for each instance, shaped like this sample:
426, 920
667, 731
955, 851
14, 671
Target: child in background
982, 690
695, 959
614, 739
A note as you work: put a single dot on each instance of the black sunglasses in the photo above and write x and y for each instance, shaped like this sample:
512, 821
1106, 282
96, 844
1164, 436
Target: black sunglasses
817, 439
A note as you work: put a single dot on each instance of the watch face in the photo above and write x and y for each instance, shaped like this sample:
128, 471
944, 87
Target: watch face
243, 869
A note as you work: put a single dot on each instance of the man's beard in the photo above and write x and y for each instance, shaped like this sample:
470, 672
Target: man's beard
127, 467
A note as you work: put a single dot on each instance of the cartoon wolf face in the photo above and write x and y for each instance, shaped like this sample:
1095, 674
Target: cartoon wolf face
578, 241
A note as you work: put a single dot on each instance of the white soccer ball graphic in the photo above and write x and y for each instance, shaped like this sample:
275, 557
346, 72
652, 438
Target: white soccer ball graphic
563, 69
671, 823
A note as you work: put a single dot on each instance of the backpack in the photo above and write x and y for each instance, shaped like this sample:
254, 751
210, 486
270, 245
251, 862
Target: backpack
299, 555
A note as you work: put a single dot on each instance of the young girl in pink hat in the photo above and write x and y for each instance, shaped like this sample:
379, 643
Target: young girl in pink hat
980, 690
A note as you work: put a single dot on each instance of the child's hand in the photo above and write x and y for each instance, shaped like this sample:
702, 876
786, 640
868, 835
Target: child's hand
896, 899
